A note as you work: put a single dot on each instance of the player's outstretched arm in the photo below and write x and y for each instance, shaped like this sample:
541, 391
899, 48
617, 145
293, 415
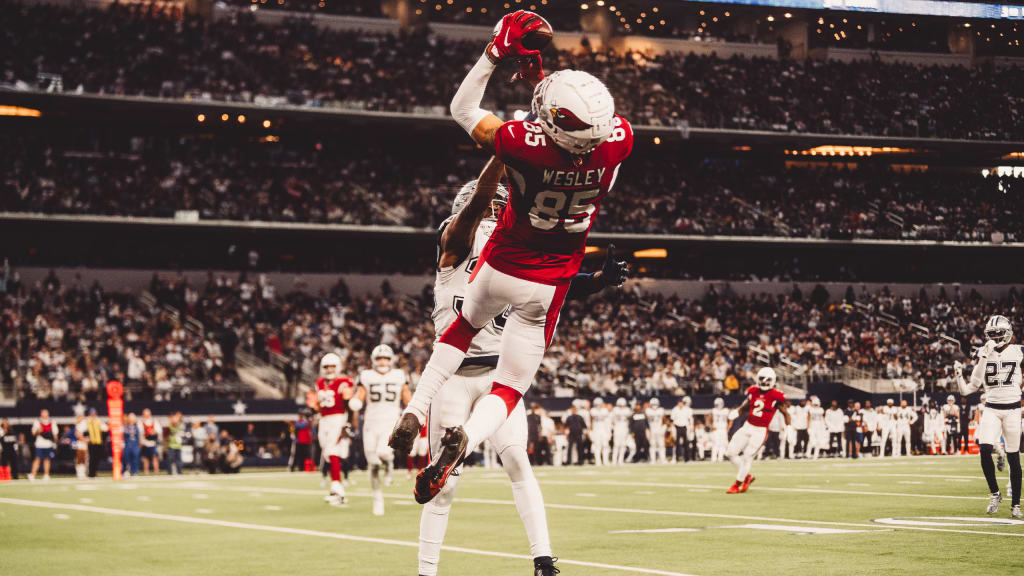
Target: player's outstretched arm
507, 43
612, 273
735, 412
457, 238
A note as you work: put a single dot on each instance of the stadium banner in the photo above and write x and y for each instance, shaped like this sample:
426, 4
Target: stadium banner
115, 412
919, 7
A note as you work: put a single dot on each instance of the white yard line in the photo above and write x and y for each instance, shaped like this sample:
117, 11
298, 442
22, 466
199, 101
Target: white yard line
604, 509
315, 533
615, 483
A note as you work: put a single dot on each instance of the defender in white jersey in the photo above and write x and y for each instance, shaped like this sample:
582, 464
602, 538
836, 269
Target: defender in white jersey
601, 432
817, 435
998, 371
906, 416
382, 390
656, 430
620, 431
719, 430
462, 237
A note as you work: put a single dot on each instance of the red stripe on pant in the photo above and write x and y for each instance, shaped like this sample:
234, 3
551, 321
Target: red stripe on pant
551, 319
460, 334
508, 395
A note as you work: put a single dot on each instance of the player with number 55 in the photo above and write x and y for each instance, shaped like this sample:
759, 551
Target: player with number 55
560, 163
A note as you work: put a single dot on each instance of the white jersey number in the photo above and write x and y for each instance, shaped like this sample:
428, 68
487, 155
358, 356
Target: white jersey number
550, 209
758, 410
325, 398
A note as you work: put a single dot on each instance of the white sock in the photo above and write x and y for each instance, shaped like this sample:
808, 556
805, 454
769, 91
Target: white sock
444, 361
488, 415
433, 525
337, 488
530, 503
742, 465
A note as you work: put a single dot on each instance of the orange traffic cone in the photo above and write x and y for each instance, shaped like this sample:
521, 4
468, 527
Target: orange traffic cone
308, 466
5, 473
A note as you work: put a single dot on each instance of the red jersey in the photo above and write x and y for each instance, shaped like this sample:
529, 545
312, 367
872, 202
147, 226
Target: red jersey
763, 405
328, 395
542, 233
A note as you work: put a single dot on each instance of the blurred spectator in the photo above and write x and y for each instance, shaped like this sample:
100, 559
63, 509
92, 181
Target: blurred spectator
9, 456
132, 445
45, 433
175, 433
152, 436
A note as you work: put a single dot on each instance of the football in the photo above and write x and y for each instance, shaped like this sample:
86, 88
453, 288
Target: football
540, 38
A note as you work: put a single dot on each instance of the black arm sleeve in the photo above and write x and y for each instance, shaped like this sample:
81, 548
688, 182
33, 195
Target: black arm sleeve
582, 286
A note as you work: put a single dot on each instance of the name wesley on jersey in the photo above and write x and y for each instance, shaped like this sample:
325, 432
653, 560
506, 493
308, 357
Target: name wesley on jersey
573, 177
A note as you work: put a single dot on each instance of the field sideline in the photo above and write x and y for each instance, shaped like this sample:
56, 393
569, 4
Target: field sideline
895, 516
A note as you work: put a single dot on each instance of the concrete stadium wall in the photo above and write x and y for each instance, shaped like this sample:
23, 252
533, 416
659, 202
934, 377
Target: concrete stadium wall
362, 284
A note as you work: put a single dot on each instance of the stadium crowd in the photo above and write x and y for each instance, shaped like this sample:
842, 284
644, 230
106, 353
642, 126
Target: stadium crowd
129, 51
331, 183
64, 342
60, 341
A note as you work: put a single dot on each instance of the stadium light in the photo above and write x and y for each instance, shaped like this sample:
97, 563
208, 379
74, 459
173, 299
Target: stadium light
651, 253
19, 111
201, 118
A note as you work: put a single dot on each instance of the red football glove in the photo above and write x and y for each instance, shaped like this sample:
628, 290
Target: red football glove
531, 70
508, 36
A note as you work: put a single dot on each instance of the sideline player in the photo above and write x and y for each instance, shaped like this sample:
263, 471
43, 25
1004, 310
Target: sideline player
601, 432
620, 431
333, 392
682, 420
381, 390
462, 239
998, 370
817, 434
719, 430
656, 431
560, 168
764, 399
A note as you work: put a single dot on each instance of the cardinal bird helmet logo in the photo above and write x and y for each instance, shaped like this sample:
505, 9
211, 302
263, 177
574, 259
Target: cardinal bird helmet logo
566, 120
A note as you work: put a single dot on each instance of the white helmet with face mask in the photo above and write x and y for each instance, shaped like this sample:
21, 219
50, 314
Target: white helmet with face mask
382, 356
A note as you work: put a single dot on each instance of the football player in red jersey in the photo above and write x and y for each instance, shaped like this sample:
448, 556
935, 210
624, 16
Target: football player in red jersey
559, 167
333, 392
764, 399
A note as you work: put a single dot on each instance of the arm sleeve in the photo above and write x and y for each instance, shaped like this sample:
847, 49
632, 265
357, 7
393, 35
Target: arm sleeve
582, 286
465, 106
975, 383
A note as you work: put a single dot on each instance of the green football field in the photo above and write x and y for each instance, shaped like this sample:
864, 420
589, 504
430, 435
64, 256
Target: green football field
894, 516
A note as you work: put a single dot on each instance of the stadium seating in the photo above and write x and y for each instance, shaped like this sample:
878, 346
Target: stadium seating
128, 52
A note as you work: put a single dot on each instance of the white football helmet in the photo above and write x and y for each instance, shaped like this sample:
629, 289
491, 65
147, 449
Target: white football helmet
621, 403
950, 400
815, 401
999, 330
382, 352
655, 403
687, 400
766, 378
330, 365
575, 109
719, 403
598, 402
499, 201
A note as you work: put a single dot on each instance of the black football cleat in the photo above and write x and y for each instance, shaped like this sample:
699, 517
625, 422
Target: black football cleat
407, 429
431, 480
545, 566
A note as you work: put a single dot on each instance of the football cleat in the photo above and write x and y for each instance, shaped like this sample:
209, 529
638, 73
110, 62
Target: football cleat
405, 433
746, 483
735, 488
993, 503
545, 566
1015, 513
1001, 462
337, 500
378, 507
432, 479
